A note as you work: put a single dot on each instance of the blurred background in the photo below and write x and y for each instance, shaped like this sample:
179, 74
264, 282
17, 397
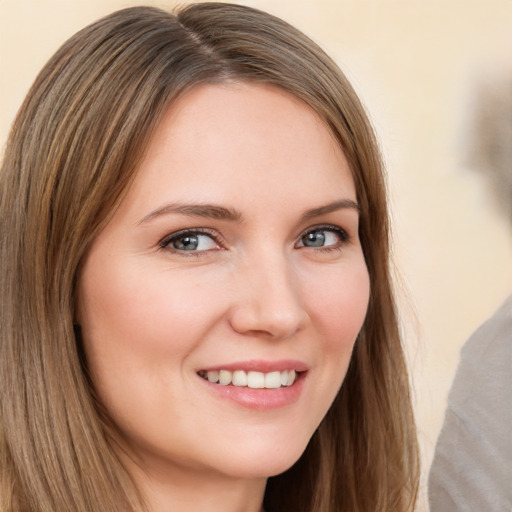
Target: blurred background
435, 76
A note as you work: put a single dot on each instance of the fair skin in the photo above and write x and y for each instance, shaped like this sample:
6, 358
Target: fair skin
235, 251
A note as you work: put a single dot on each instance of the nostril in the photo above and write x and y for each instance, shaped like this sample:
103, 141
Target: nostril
269, 321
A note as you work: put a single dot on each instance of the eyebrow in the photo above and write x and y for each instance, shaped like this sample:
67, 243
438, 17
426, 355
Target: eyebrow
213, 211
331, 207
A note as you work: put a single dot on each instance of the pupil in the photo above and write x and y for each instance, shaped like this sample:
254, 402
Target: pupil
315, 239
186, 243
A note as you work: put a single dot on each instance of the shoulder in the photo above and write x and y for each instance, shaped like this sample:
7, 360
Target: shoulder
473, 457
493, 336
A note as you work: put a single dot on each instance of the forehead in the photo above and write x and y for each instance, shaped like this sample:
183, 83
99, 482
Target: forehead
240, 141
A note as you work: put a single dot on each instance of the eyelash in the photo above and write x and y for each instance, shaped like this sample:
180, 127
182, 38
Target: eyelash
342, 234
165, 243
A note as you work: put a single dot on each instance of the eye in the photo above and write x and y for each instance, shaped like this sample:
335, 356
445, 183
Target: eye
190, 241
326, 237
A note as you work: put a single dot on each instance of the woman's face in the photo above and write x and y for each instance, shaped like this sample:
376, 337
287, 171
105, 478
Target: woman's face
232, 263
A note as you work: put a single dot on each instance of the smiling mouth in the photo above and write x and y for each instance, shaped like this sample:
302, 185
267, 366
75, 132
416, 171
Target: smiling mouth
251, 379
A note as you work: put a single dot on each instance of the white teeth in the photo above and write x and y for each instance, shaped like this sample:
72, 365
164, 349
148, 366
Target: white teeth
273, 380
225, 377
213, 376
239, 378
254, 380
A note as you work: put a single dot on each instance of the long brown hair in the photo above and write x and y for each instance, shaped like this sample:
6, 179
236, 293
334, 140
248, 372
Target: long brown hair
72, 152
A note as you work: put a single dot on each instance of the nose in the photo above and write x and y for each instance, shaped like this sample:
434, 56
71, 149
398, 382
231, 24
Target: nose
268, 301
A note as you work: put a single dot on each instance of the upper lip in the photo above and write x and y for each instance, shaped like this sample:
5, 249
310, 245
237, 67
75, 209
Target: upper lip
263, 366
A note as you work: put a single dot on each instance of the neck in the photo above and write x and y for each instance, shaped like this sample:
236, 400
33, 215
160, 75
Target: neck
196, 491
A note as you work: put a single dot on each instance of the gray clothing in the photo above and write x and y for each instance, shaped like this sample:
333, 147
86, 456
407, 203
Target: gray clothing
472, 468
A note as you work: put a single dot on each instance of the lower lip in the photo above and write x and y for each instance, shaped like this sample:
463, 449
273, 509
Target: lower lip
260, 399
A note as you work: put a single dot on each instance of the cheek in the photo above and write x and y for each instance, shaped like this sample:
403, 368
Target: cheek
139, 327
339, 307
123, 306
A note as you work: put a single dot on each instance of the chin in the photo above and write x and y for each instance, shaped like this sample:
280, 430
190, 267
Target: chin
265, 462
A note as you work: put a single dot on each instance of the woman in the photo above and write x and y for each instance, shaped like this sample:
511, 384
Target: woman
197, 310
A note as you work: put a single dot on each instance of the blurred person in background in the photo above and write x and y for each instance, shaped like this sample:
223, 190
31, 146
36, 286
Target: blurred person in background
472, 467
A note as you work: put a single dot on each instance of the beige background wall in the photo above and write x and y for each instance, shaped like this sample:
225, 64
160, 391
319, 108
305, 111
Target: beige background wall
416, 64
